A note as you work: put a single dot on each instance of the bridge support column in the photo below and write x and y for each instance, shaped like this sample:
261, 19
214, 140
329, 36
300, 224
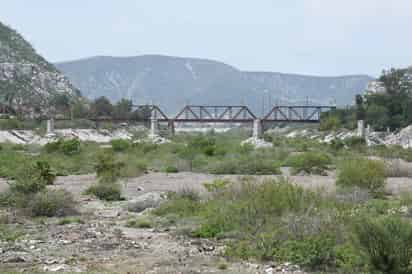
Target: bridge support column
50, 128
361, 128
172, 127
257, 129
154, 127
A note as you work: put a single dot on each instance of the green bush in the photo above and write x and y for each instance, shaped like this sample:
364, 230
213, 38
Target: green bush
51, 203
171, 169
67, 147
108, 170
120, 145
309, 162
355, 142
330, 123
106, 191
45, 172
314, 252
139, 223
363, 173
387, 244
70, 147
32, 178
247, 165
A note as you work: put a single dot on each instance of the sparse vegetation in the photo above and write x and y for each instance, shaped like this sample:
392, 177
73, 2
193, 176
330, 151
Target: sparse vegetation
363, 173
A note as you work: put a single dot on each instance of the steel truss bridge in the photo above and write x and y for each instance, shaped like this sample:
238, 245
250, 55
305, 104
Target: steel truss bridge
220, 114
237, 114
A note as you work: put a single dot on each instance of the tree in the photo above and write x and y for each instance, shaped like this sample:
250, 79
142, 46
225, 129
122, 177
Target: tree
101, 107
378, 116
80, 110
123, 109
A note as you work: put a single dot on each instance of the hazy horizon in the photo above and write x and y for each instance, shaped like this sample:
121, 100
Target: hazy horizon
311, 37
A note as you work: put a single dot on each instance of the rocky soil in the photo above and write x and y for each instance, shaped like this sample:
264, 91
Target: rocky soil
100, 240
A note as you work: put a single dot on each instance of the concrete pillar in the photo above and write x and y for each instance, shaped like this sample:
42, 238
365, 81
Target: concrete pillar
50, 127
172, 127
368, 130
154, 127
361, 128
257, 129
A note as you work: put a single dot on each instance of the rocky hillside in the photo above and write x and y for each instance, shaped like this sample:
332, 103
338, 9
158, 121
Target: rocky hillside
172, 82
27, 81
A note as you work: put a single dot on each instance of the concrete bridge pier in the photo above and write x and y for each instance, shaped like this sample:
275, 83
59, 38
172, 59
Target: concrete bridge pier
171, 125
50, 128
154, 127
257, 129
361, 128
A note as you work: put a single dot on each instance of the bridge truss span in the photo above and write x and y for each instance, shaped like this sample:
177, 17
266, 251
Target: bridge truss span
296, 114
215, 114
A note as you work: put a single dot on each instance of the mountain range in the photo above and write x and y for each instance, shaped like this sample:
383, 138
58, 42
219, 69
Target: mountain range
172, 82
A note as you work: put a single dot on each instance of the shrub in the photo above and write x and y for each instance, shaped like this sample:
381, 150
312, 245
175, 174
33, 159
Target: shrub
70, 147
106, 191
355, 142
183, 204
330, 123
32, 178
67, 147
313, 252
171, 169
309, 162
51, 203
387, 243
248, 165
363, 173
45, 172
120, 145
107, 169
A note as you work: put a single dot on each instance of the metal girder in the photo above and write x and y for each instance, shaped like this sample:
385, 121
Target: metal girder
216, 114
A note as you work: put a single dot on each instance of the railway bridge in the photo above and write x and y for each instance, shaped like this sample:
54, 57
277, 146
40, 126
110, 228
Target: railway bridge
234, 114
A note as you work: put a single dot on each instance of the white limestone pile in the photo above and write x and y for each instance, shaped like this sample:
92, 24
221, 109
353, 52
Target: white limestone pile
257, 143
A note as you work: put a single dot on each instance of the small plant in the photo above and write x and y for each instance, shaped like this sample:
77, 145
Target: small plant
106, 191
9, 234
70, 220
120, 145
309, 162
51, 203
363, 173
45, 172
139, 223
171, 169
217, 185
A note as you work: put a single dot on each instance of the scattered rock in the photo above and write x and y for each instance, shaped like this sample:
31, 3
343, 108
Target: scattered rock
147, 200
257, 143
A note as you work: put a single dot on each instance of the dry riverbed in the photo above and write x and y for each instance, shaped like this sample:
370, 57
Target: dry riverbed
100, 241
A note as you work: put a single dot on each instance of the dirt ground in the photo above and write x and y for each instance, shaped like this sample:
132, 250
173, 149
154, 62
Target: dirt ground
103, 243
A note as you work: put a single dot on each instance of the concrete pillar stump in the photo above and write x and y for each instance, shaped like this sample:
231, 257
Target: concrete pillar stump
50, 128
361, 129
257, 129
154, 127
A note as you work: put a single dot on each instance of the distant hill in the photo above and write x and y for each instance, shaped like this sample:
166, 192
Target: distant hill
172, 82
27, 81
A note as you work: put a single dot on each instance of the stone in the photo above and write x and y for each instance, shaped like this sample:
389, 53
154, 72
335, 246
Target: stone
145, 201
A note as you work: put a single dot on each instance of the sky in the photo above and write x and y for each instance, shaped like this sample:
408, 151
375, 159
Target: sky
315, 37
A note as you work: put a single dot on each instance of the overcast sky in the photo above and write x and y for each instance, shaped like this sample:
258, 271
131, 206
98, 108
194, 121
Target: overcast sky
319, 37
